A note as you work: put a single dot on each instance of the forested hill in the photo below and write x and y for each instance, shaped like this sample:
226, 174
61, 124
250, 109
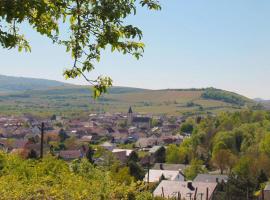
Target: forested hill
14, 84
226, 96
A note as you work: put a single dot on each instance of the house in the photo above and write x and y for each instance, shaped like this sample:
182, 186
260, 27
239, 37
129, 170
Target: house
146, 142
70, 154
173, 139
120, 136
132, 129
185, 190
142, 122
171, 167
138, 121
155, 175
209, 178
86, 138
122, 154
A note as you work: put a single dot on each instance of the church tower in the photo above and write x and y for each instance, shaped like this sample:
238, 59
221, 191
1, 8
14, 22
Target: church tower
130, 116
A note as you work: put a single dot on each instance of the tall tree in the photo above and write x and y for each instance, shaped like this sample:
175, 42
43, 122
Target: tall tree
160, 155
196, 167
240, 188
93, 25
223, 159
89, 154
136, 170
133, 157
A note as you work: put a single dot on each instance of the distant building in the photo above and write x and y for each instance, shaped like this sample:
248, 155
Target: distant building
137, 121
86, 138
146, 142
122, 154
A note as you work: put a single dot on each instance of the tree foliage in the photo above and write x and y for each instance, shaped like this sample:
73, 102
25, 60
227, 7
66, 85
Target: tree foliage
228, 97
186, 127
84, 27
224, 159
54, 179
234, 143
195, 168
160, 155
179, 154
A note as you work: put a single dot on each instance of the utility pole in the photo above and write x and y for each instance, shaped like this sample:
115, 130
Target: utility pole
195, 195
148, 171
42, 140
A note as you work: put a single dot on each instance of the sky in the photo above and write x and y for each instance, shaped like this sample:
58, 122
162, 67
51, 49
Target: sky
189, 44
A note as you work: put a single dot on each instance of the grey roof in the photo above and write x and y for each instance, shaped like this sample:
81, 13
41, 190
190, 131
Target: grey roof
209, 178
130, 110
172, 188
166, 166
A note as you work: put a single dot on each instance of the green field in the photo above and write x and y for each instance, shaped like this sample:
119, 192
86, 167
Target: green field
76, 100
45, 97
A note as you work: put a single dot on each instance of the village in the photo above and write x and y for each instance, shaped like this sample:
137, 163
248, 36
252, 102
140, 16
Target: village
105, 138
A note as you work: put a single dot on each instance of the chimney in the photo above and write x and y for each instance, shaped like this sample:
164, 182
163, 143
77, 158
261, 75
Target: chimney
161, 166
190, 186
217, 180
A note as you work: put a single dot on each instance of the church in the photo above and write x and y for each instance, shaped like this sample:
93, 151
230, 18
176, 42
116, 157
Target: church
138, 121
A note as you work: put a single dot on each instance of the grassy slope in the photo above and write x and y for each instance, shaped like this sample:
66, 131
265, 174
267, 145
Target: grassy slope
74, 100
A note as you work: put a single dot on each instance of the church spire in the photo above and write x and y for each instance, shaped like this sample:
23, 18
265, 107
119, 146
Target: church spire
130, 116
130, 110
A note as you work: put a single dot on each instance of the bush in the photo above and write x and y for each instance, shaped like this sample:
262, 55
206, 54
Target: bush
51, 178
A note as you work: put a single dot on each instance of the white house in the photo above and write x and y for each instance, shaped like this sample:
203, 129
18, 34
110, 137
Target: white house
155, 175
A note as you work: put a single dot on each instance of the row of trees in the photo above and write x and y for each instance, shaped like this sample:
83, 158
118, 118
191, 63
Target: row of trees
236, 143
229, 97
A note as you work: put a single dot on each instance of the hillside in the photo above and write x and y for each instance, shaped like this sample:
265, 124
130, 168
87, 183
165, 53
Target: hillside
18, 84
263, 102
26, 96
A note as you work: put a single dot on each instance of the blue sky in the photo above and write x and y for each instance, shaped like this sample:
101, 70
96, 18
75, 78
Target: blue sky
190, 43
